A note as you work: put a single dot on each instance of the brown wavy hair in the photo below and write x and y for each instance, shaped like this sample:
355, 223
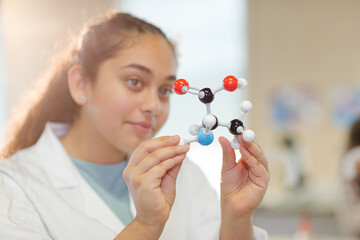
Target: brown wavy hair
354, 135
50, 99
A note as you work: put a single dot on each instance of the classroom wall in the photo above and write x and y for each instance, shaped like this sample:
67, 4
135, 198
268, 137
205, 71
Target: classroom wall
304, 44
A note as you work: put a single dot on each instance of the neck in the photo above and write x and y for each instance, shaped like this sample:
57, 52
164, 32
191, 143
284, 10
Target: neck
83, 142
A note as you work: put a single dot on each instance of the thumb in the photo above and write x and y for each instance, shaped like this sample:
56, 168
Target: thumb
229, 157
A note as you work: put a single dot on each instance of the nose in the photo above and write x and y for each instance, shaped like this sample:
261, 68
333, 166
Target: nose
151, 103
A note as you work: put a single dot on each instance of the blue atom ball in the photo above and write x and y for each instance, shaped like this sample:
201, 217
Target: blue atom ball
205, 139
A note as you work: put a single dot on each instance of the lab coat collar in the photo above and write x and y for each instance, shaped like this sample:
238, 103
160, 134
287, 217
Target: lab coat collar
54, 158
64, 175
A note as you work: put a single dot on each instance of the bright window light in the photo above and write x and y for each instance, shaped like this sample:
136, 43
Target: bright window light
212, 43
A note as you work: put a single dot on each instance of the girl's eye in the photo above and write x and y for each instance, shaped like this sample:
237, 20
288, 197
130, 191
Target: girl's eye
165, 92
134, 83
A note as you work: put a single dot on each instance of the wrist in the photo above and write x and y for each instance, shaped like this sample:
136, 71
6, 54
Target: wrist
137, 230
236, 212
235, 227
234, 219
144, 229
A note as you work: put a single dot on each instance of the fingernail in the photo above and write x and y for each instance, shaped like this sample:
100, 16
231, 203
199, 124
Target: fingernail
175, 137
185, 147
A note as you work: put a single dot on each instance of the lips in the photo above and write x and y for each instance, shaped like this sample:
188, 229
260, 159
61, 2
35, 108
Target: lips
143, 126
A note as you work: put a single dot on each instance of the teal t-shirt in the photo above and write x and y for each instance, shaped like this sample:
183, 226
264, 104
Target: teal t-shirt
108, 182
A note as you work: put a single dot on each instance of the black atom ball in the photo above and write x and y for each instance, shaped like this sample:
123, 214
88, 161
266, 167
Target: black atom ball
208, 95
234, 125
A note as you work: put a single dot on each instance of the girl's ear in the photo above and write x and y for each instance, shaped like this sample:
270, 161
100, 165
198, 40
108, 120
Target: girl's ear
77, 84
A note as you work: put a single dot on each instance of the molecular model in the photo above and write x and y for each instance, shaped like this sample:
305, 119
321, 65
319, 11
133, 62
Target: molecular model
203, 133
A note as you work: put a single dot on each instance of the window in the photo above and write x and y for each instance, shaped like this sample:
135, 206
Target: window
212, 43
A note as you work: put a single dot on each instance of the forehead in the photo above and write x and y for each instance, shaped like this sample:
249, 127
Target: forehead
148, 49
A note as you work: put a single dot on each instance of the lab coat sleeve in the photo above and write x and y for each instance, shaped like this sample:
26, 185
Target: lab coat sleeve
204, 220
205, 209
18, 217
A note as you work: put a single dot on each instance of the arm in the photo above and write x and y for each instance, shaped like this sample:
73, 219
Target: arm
136, 230
243, 187
233, 226
18, 217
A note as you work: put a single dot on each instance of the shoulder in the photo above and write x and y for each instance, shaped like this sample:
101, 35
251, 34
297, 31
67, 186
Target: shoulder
349, 161
352, 154
16, 173
20, 161
23, 167
19, 176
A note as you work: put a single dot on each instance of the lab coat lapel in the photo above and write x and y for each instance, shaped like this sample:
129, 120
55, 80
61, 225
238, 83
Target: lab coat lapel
64, 175
98, 209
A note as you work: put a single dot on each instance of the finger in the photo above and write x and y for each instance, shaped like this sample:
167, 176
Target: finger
151, 145
255, 149
229, 157
168, 183
173, 172
171, 175
243, 161
160, 155
156, 173
254, 166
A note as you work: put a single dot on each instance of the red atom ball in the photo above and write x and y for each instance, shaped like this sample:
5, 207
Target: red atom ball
230, 83
179, 84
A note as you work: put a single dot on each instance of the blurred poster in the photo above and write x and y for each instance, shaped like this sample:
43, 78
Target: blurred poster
294, 108
346, 105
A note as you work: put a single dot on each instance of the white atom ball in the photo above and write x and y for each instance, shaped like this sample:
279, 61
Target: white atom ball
194, 129
246, 106
240, 129
249, 135
242, 83
209, 121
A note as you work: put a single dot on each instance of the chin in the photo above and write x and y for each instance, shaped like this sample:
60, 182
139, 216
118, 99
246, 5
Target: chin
132, 143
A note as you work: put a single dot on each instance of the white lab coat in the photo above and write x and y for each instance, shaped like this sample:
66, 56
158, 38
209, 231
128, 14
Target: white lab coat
43, 196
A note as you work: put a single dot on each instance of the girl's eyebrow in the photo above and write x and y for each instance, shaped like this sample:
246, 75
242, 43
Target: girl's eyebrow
171, 78
147, 70
139, 67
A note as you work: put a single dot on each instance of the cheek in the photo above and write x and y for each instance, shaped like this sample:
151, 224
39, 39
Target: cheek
121, 106
113, 107
164, 115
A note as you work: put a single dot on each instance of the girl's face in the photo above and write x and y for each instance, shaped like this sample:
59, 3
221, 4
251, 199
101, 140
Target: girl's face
129, 100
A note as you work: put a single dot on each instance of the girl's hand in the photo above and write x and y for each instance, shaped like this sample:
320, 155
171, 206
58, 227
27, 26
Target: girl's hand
151, 178
243, 183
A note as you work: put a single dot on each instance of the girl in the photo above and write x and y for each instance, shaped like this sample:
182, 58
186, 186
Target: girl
349, 207
91, 124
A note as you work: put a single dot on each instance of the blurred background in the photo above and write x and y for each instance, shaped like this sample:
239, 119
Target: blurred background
302, 62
